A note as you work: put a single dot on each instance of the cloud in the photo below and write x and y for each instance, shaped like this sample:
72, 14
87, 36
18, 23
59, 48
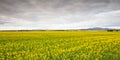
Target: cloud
58, 14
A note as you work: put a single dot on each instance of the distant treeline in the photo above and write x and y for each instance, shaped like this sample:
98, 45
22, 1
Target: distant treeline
109, 30
19, 30
37, 30
113, 30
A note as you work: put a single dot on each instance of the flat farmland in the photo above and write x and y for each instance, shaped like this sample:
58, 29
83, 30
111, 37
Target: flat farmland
60, 45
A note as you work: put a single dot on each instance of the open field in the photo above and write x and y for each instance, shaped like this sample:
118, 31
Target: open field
60, 45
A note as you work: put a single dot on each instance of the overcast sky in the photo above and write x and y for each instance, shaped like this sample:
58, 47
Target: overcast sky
59, 14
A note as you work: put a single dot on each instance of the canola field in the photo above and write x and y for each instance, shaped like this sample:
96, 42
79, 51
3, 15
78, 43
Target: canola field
60, 45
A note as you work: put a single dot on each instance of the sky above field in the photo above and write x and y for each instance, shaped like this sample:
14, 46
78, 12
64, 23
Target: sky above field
59, 14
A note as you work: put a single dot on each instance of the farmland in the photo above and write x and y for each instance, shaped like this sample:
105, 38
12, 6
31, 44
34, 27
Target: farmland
60, 45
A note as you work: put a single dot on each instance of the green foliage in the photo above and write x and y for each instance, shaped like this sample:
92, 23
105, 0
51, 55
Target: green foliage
60, 45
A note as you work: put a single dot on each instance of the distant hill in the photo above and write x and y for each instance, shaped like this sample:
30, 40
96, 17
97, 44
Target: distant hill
98, 28
94, 28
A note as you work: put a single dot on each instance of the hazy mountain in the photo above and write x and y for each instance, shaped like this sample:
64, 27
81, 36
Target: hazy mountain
98, 28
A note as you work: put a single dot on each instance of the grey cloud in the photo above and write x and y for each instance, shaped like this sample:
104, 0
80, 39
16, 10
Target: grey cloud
18, 6
64, 13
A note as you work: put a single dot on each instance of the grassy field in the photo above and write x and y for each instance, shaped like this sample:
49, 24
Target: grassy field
60, 45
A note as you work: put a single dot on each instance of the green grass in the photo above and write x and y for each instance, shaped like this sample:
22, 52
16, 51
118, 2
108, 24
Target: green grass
60, 45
